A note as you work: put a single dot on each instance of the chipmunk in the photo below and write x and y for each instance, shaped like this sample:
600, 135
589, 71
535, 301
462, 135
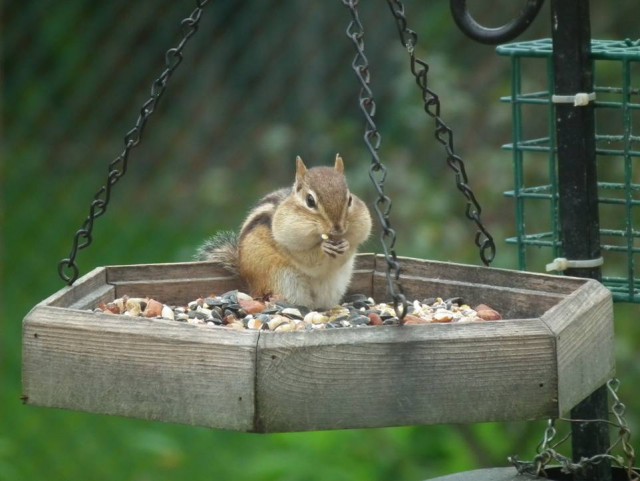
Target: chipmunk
299, 243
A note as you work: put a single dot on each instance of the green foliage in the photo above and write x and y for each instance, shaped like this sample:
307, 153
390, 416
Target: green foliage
260, 82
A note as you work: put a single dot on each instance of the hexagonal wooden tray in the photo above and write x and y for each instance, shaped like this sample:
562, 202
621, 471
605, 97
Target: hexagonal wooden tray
554, 347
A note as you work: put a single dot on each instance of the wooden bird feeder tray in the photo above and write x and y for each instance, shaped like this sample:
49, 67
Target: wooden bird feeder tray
554, 348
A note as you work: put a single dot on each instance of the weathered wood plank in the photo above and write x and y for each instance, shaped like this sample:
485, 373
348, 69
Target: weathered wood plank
361, 283
83, 287
167, 271
157, 370
412, 268
182, 282
512, 303
489, 276
373, 377
365, 261
101, 294
583, 325
177, 291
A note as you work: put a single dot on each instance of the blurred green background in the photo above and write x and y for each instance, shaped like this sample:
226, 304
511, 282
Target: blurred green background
261, 82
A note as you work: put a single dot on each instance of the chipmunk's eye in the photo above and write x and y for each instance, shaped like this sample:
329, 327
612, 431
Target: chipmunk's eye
350, 200
311, 202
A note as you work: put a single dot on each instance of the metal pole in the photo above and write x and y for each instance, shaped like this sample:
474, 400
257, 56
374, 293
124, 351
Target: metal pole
578, 196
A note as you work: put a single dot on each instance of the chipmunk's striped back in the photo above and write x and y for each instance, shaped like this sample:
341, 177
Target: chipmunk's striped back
224, 246
262, 213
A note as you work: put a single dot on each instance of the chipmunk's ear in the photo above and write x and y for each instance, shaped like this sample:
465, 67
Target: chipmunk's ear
301, 170
339, 164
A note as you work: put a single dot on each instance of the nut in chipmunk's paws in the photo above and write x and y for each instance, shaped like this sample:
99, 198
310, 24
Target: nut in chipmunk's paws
334, 247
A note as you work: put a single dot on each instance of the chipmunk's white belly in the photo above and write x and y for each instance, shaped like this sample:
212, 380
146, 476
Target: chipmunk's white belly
329, 289
321, 286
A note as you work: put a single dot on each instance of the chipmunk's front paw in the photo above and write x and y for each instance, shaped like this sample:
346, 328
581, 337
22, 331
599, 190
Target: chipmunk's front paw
335, 248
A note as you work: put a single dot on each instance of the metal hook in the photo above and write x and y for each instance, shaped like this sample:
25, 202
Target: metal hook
493, 36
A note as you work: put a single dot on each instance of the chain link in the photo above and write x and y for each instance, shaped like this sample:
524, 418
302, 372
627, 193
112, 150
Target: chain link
624, 433
68, 268
377, 171
547, 451
444, 135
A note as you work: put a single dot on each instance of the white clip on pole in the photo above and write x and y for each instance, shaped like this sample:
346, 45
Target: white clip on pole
578, 100
562, 264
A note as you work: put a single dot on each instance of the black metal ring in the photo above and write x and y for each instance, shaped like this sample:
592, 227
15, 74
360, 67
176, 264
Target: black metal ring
68, 264
493, 36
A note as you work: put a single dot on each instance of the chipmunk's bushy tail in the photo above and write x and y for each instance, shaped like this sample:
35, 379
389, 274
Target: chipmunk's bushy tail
221, 248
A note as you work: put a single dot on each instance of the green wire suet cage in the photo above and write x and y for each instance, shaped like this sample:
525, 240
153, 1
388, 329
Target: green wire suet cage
616, 66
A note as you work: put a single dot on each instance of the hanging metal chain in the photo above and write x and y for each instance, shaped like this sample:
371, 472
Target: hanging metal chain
377, 171
444, 135
624, 433
67, 268
547, 452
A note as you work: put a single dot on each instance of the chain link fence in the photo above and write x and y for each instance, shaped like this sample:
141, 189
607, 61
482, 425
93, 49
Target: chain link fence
260, 82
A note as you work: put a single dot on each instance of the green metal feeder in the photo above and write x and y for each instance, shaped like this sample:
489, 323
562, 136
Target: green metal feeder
616, 152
